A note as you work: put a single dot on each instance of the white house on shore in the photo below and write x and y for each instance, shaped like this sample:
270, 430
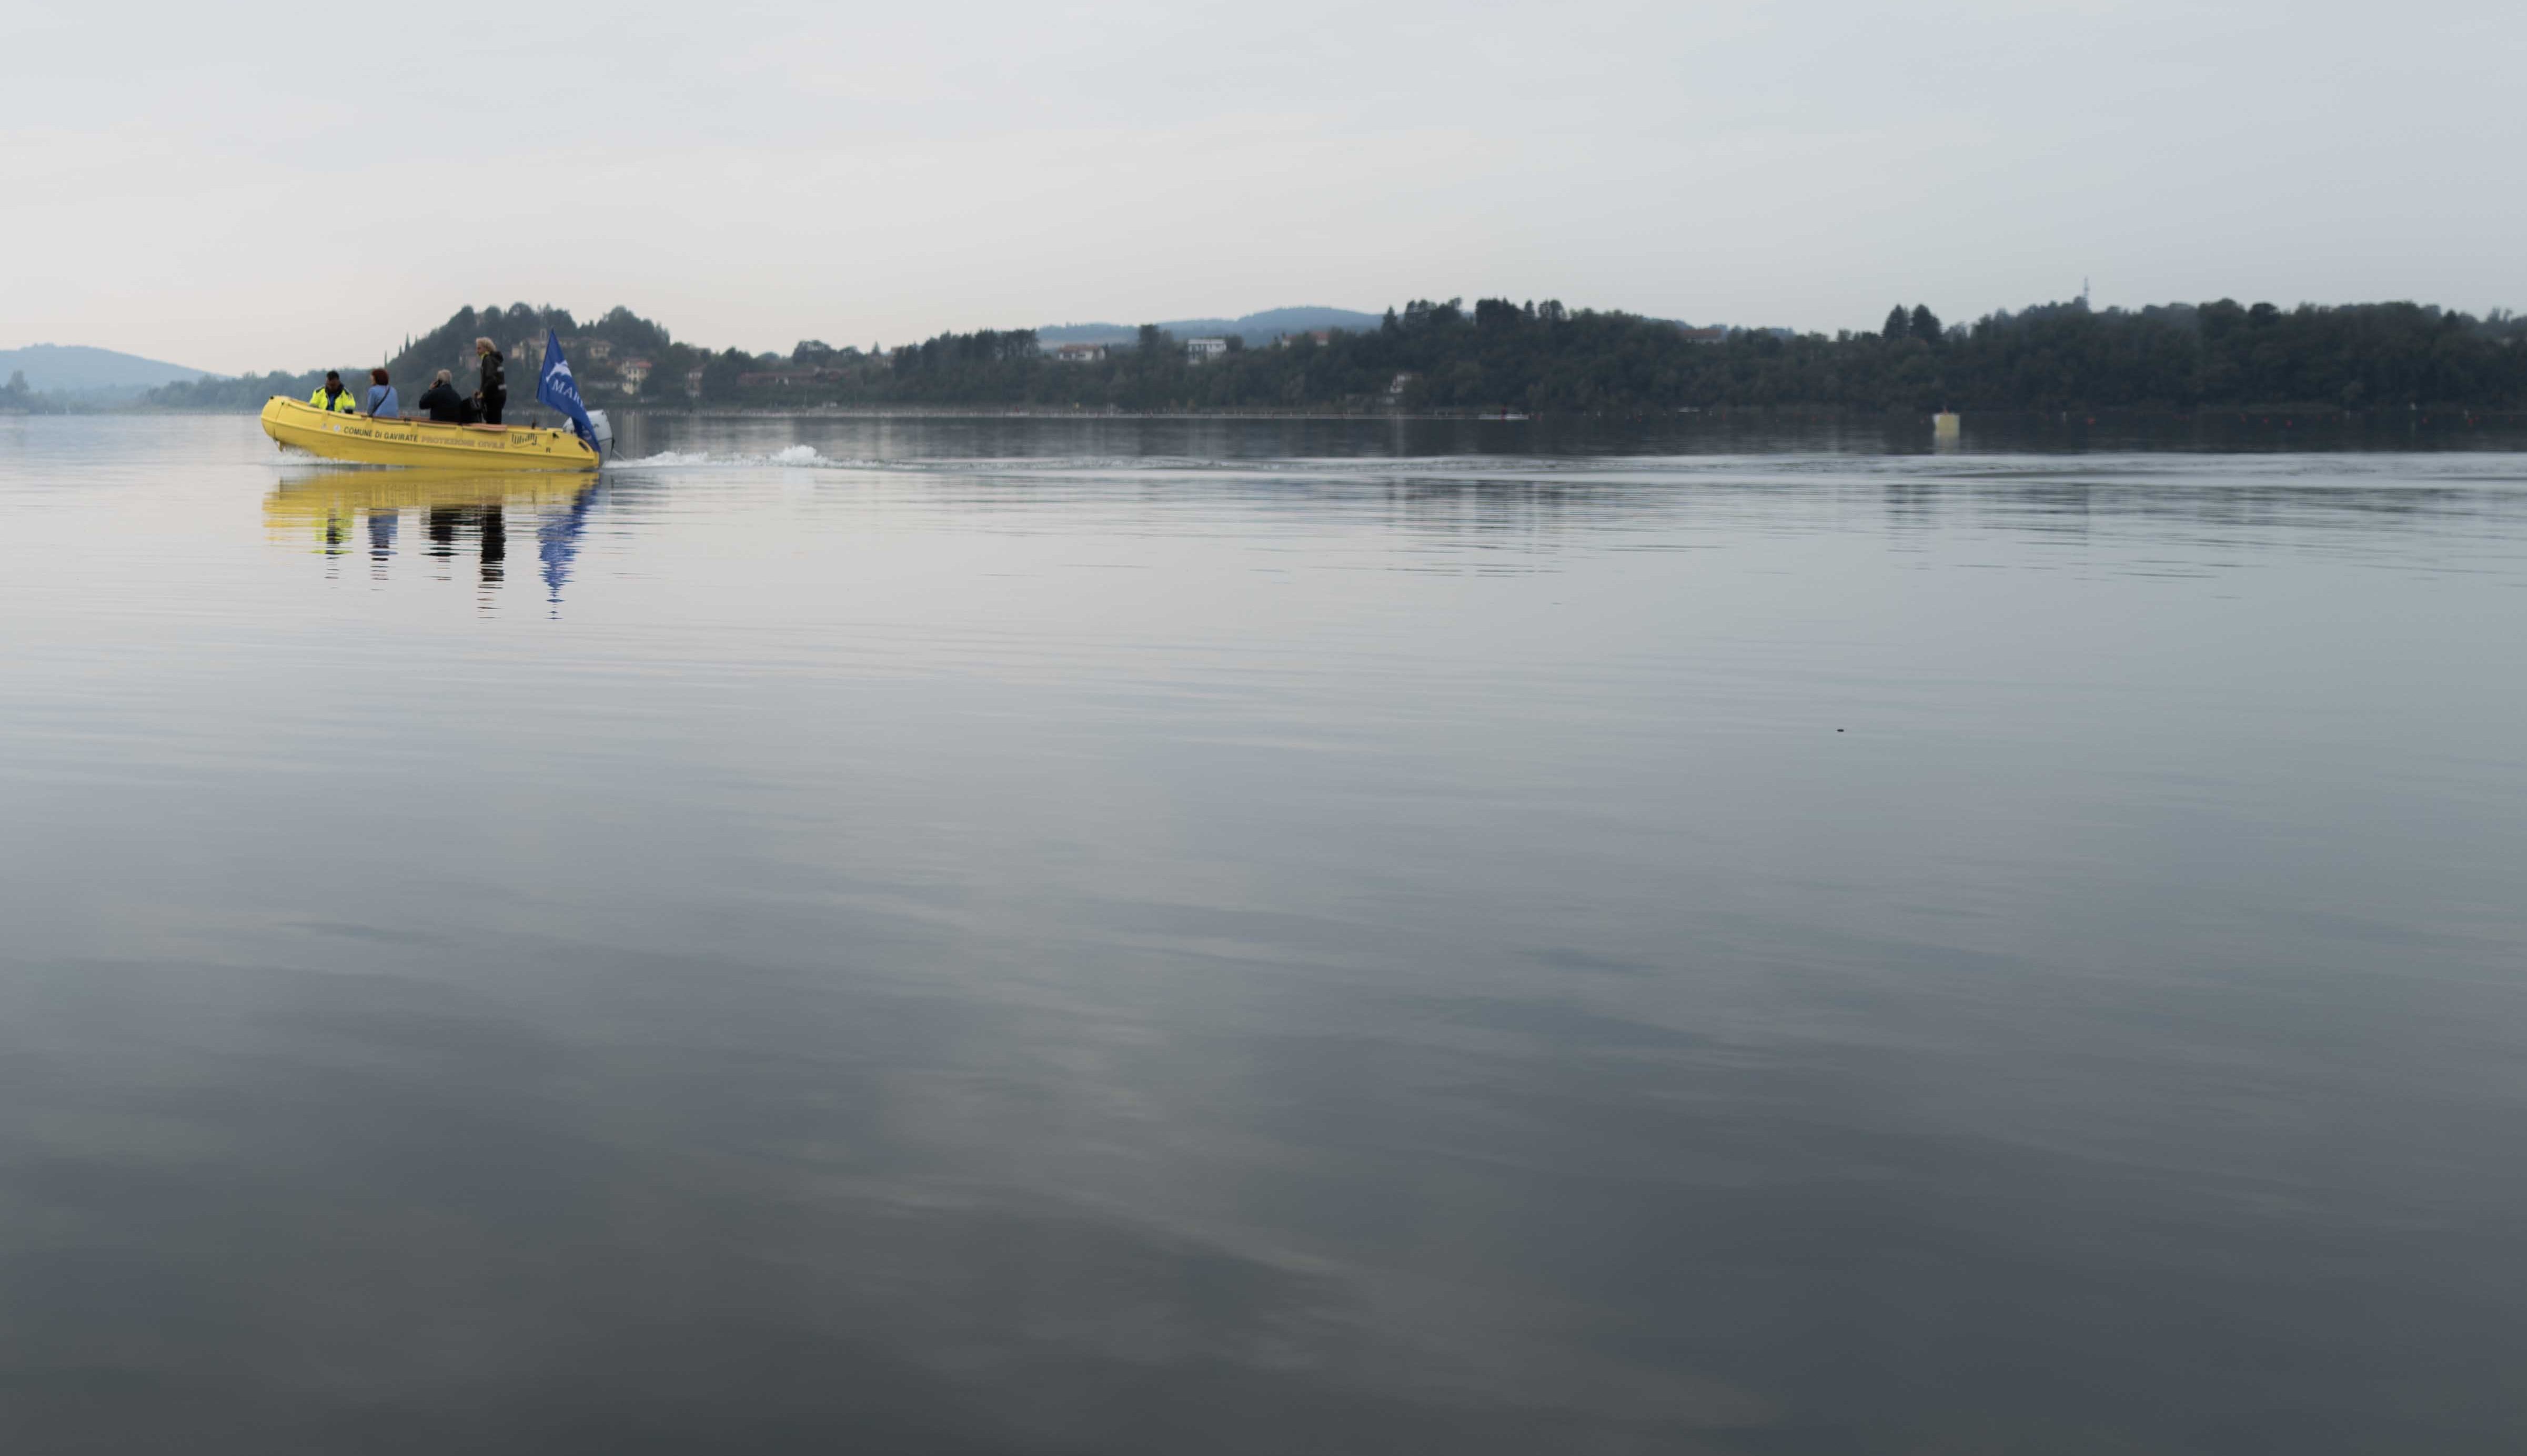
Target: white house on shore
1078, 353
1203, 350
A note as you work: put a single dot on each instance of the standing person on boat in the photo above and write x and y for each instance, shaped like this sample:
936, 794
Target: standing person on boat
383, 403
494, 392
439, 400
332, 398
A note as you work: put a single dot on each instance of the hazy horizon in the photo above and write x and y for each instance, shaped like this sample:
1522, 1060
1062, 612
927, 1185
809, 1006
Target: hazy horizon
245, 200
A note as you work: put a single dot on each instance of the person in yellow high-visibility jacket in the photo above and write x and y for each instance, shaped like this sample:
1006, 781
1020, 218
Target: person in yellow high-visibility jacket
332, 398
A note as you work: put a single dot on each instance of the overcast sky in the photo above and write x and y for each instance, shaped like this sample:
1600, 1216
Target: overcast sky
244, 189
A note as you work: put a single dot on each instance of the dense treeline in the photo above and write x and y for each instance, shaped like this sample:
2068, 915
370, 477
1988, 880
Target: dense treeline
1541, 357
17, 398
243, 392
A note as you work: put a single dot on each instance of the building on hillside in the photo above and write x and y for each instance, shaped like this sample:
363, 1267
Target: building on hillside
1320, 336
599, 348
1205, 350
693, 384
634, 371
1395, 390
1078, 353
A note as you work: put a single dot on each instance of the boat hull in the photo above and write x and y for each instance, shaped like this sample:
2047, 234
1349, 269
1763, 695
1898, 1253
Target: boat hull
473, 447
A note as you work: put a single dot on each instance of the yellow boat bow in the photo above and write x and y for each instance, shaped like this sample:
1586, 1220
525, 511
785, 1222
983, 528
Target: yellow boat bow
472, 447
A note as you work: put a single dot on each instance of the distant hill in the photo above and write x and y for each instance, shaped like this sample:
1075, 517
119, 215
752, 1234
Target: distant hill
1255, 329
76, 370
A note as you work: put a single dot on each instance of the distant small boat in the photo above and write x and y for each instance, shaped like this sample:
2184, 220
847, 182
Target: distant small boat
475, 447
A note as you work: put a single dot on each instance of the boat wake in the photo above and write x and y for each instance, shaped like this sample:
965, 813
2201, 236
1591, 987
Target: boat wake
792, 456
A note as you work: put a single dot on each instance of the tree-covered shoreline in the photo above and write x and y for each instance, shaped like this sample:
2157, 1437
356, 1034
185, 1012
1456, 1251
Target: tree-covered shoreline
1541, 358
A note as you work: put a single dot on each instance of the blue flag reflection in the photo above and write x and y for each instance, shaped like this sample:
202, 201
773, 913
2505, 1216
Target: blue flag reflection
557, 542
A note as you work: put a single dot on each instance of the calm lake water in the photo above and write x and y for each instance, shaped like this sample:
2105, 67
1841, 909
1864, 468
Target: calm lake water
1170, 937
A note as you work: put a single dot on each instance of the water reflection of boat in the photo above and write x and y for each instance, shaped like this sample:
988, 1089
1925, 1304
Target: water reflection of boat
422, 442
313, 498
336, 507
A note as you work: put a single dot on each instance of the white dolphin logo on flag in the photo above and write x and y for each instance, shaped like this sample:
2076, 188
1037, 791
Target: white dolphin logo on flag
559, 388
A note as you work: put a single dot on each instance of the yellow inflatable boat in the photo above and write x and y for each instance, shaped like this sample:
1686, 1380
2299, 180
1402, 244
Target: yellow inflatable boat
471, 447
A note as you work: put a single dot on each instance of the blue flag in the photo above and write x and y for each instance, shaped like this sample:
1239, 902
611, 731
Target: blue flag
555, 388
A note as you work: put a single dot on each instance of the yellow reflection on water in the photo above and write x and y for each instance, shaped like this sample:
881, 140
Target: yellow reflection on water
340, 512
326, 501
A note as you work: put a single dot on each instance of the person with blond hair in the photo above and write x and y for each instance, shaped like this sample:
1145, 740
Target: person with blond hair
495, 391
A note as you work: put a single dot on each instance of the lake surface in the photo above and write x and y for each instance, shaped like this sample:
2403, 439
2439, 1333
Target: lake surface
1262, 936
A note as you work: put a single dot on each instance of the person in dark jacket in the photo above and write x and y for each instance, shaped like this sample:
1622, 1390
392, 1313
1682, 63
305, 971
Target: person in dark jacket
494, 392
440, 403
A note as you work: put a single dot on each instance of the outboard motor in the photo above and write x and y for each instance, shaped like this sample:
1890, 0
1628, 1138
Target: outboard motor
604, 429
